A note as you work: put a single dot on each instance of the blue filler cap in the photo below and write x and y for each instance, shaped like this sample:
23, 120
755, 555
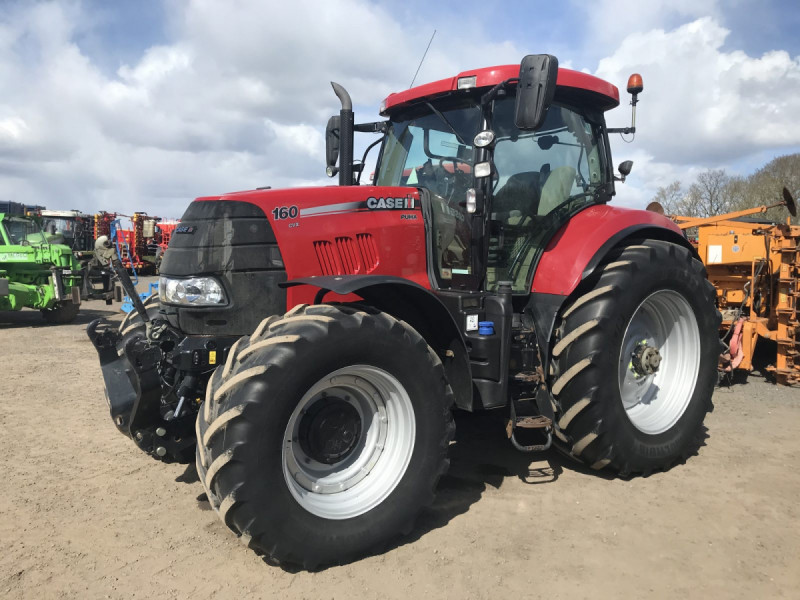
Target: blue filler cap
486, 328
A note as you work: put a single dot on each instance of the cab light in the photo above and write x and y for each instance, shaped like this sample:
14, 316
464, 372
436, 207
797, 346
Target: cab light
483, 169
472, 203
483, 139
465, 83
635, 84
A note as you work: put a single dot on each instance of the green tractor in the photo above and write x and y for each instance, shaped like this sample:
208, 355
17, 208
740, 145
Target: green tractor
35, 273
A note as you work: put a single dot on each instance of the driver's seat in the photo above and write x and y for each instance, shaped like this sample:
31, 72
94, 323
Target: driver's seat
521, 193
557, 188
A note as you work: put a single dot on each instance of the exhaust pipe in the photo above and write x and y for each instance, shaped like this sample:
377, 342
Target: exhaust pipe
345, 135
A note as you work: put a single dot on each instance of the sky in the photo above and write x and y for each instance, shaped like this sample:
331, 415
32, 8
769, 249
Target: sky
142, 105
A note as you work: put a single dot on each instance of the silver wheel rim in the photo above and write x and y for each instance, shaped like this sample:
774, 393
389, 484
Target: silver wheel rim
375, 457
664, 321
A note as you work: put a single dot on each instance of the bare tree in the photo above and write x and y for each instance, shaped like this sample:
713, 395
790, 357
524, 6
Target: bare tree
715, 192
708, 195
671, 198
765, 186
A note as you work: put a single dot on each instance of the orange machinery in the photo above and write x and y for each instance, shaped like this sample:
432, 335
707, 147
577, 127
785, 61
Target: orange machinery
141, 242
755, 268
142, 245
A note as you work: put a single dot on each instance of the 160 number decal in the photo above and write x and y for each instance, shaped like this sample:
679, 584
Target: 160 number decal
284, 212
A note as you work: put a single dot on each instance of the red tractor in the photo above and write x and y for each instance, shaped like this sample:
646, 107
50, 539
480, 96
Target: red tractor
315, 342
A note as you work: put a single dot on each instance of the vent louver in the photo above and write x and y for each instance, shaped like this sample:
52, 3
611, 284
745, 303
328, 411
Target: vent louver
346, 256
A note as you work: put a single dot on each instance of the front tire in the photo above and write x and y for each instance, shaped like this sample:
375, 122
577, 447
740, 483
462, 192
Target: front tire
635, 360
325, 434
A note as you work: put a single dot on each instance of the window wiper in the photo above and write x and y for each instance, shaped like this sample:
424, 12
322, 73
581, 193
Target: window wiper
446, 122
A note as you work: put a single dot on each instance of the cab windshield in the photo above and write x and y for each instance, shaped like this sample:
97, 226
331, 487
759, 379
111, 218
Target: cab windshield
22, 232
540, 178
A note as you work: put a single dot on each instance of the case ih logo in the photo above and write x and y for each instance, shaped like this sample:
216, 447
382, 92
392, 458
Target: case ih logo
390, 203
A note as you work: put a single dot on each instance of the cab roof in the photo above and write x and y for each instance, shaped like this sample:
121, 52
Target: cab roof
594, 90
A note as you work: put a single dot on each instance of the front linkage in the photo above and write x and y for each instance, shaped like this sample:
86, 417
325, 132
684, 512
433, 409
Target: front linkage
154, 376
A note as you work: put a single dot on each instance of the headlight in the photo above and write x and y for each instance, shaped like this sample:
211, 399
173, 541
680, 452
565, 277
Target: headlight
195, 291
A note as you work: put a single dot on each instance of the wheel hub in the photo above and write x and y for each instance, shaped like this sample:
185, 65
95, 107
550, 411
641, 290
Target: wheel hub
645, 360
348, 442
329, 430
659, 361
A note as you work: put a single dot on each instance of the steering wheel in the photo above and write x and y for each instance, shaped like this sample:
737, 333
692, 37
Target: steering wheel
455, 160
451, 179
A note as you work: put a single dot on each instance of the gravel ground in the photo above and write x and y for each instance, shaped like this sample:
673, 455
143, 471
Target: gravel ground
84, 514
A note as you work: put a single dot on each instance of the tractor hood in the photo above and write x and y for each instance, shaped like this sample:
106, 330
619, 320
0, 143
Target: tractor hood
239, 231
252, 241
320, 201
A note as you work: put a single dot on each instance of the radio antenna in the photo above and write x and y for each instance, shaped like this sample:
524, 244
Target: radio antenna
423, 59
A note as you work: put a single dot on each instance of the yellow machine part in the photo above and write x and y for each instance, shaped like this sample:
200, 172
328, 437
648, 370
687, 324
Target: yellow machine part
755, 268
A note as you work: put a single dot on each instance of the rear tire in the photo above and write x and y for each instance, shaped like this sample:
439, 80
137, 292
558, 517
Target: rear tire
61, 314
325, 434
613, 411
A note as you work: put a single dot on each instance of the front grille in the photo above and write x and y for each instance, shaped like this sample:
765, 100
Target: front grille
234, 242
221, 235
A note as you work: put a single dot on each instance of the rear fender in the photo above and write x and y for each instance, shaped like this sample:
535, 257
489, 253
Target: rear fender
580, 246
417, 306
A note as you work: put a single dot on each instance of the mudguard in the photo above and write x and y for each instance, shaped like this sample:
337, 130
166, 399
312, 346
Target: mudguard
581, 244
579, 247
414, 304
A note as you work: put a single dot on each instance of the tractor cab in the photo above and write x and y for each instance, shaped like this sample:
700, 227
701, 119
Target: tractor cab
536, 179
20, 231
71, 228
500, 171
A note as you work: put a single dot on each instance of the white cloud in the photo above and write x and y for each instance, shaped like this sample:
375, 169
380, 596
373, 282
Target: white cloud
239, 96
612, 20
238, 99
703, 106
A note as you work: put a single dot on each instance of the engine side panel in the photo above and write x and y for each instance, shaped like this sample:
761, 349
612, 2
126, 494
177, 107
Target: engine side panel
359, 230
580, 241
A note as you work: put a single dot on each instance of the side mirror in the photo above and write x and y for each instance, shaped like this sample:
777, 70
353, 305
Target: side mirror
332, 144
535, 90
624, 169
